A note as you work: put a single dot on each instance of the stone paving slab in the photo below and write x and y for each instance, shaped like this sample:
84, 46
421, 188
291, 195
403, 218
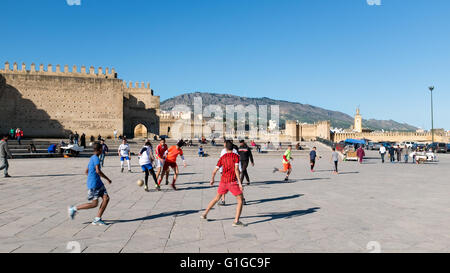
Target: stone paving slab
403, 207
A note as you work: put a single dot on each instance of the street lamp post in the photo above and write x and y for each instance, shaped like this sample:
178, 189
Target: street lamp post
432, 115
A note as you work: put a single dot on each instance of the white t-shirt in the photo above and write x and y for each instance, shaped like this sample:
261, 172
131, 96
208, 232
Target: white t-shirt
224, 151
146, 156
382, 150
124, 150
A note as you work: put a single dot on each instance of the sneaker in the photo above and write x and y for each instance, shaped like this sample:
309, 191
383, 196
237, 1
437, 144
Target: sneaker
167, 182
248, 183
121, 170
7, 176
203, 217
244, 202
146, 189
239, 224
221, 203
158, 188
98, 222
72, 212
286, 179
173, 187
129, 171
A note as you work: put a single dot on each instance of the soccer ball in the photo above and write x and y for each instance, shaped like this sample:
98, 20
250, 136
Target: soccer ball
140, 183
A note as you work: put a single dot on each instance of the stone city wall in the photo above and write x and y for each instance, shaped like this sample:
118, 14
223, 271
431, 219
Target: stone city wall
55, 102
393, 136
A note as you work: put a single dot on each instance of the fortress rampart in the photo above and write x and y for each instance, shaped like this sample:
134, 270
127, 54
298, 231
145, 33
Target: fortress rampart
55, 101
58, 70
394, 136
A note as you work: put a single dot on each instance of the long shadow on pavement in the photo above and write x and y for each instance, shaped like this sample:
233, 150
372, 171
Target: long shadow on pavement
275, 215
48, 175
344, 173
150, 217
195, 188
290, 182
181, 174
255, 202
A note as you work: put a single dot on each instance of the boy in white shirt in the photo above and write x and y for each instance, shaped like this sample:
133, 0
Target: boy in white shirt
124, 154
146, 159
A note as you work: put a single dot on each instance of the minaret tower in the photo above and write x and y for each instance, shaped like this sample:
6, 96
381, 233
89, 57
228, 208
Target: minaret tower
358, 121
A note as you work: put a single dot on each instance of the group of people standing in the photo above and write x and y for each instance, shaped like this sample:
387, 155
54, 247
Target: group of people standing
77, 139
395, 153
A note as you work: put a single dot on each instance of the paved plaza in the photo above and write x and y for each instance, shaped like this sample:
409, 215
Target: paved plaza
400, 207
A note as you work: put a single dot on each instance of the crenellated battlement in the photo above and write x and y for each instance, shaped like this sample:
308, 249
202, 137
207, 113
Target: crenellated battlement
140, 87
136, 85
59, 70
48, 100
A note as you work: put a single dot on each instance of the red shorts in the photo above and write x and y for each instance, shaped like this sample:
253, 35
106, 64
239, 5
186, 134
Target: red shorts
224, 188
168, 165
287, 166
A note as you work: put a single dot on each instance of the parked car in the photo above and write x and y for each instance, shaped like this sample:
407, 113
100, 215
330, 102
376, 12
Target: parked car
438, 147
373, 146
387, 145
408, 144
448, 148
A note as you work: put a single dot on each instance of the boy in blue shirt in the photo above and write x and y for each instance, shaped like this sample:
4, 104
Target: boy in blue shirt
96, 188
201, 152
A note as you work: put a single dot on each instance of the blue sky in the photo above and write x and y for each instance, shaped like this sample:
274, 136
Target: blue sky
335, 54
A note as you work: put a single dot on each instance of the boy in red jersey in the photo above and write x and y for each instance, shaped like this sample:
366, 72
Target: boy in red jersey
230, 181
160, 158
171, 162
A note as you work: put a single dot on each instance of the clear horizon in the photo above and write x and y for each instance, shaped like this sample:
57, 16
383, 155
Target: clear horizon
336, 55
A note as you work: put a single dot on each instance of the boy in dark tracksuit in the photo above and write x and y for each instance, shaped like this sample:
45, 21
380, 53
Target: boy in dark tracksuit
246, 156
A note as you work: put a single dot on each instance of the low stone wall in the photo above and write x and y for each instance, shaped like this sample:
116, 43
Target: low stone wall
393, 137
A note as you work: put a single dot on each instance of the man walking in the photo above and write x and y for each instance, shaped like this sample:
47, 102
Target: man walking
4, 154
382, 152
399, 153
245, 155
392, 154
313, 158
407, 152
360, 154
335, 159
